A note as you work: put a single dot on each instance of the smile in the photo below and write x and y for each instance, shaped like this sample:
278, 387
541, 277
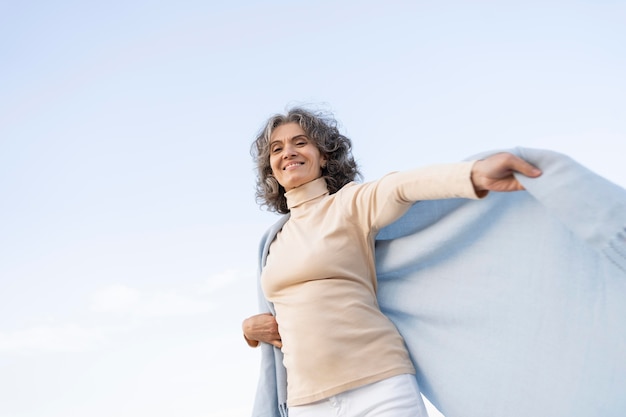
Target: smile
292, 165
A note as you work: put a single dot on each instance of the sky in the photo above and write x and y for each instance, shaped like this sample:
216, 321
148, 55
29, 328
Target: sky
128, 224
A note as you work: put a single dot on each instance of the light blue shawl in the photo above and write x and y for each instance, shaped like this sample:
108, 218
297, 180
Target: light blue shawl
514, 305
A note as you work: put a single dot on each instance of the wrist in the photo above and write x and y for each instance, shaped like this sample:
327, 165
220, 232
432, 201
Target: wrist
475, 179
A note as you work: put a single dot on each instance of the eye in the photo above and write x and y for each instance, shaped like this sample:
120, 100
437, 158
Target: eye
276, 149
301, 140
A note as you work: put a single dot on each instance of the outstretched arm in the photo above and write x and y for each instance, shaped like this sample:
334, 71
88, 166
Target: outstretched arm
495, 173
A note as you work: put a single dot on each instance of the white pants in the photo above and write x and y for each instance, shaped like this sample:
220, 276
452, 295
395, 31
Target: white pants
397, 396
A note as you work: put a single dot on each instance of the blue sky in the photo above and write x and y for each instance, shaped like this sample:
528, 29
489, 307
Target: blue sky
128, 227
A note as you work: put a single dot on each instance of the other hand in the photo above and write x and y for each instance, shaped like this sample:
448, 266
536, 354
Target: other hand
261, 328
495, 173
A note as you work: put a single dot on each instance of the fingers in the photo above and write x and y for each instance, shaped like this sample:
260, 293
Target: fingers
518, 164
262, 328
495, 173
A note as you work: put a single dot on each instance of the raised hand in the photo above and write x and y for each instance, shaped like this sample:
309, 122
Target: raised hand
495, 173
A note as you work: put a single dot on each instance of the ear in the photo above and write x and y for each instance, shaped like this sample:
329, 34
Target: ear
323, 161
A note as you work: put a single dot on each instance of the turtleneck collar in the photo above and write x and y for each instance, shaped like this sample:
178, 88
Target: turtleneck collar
306, 192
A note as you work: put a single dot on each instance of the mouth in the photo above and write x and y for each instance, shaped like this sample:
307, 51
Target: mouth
292, 165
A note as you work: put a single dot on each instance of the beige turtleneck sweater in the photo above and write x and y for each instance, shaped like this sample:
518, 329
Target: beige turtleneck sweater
321, 277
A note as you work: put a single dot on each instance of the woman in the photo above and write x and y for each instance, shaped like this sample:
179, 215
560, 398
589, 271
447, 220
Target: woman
339, 350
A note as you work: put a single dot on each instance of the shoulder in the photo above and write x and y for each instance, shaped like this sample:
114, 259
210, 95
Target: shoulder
271, 231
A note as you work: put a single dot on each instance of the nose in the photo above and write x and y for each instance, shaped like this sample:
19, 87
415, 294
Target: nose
288, 151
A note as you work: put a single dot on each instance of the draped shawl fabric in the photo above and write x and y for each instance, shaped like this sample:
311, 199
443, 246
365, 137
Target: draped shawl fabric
514, 305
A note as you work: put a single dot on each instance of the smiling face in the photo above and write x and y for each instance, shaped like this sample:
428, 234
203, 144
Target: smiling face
294, 158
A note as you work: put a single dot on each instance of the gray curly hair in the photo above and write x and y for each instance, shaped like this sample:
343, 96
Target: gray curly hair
321, 129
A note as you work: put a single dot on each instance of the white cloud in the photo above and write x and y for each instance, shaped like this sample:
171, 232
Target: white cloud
124, 300
115, 299
120, 300
164, 304
224, 279
60, 338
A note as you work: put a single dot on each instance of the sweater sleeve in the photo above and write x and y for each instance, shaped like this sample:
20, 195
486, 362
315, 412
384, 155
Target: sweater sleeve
391, 196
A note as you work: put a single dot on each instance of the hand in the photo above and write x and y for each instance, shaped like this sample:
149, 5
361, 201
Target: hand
261, 328
495, 173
